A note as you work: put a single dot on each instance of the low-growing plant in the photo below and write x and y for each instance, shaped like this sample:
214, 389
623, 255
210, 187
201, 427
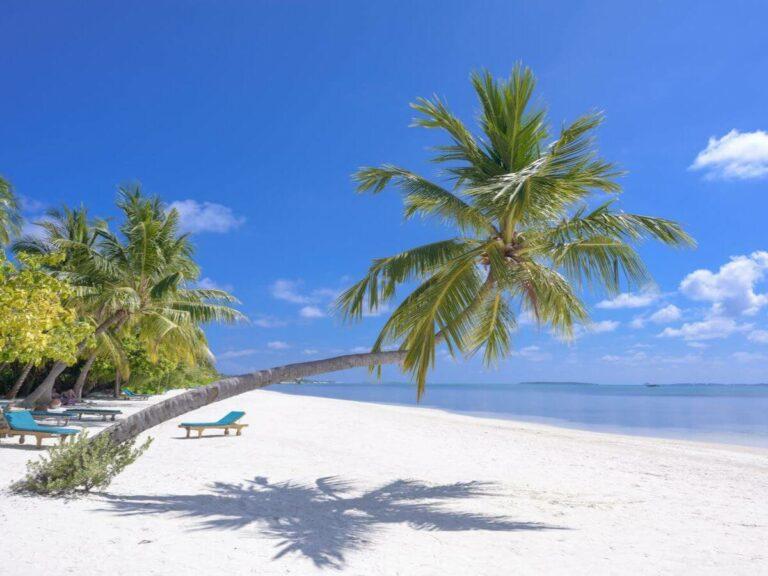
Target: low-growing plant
79, 466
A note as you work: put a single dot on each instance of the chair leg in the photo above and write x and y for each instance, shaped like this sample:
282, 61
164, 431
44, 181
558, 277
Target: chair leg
187, 432
21, 439
199, 433
226, 431
239, 430
39, 441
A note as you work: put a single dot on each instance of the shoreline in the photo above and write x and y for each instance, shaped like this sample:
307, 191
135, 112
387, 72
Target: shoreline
761, 445
322, 486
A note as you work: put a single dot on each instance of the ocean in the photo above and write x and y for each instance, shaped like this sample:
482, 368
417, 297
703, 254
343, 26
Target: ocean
732, 414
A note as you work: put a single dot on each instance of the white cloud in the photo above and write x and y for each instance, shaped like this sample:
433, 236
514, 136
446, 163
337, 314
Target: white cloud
630, 300
708, 329
532, 354
360, 349
269, 322
749, 356
310, 351
237, 353
698, 345
731, 290
666, 315
602, 326
739, 155
278, 345
197, 216
288, 290
759, 336
629, 358
311, 312
209, 284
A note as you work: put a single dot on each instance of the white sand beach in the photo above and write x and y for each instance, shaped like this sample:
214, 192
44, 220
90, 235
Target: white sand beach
318, 486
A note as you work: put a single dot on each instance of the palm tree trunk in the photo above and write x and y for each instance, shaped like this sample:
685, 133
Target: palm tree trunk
13, 392
228, 387
83, 376
42, 394
118, 383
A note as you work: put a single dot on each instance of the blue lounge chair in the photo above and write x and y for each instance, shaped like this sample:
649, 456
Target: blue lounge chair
133, 396
229, 422
20, 423
103, 412
62, 418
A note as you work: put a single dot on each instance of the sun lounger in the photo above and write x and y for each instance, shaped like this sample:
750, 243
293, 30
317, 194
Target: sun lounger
20, 423
229, 422
133, 396
103, 412
62, 419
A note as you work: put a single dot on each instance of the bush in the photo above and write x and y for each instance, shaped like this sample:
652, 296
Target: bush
79, 466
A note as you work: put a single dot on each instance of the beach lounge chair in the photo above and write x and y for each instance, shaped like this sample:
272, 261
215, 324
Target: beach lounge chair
132, 395
229, 422
20, 423
103, 412
62, 418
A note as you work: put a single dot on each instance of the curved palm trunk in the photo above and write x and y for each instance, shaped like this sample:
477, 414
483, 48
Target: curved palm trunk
83, 376
118, 384
14, 391
43, 393
228, 387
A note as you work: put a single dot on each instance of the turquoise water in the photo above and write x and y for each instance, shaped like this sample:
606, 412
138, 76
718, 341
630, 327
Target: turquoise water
705, 412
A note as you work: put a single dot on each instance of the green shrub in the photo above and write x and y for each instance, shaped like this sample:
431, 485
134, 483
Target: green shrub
79, 466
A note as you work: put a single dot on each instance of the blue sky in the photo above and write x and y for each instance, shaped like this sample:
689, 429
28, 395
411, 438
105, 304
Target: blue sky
251, 116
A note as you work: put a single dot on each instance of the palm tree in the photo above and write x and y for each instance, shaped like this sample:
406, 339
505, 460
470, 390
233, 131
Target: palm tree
10, 220
526, 235
526, 230
140, 276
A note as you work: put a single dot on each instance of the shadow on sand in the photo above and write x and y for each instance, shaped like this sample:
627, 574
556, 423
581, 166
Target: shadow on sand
324, 521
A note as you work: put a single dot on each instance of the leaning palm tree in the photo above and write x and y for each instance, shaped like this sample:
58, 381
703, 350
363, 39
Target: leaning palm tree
10, 220
526, 230
140, 274
526, 234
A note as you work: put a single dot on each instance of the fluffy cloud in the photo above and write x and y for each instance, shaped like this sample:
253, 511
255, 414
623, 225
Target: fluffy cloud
731, 290
532, 354
665, 315
288, 290
630, 300
603, 326
759, 336
749, 357
736, 155
278, 345
708, 329
268, 322
237, 353
198, 217
209, 284
311, 312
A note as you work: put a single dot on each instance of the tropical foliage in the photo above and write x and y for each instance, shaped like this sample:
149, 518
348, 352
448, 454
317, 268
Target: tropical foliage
10, 221
38, 323
527, 230
131, 293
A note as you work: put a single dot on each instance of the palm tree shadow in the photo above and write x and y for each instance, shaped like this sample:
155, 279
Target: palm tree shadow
323, 522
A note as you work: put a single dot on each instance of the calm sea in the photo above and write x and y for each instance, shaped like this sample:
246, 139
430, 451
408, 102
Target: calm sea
707, 412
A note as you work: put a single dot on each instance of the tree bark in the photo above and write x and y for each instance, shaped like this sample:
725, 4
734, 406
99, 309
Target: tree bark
83, 376
197, 397
118, 383
42, 394
14, 391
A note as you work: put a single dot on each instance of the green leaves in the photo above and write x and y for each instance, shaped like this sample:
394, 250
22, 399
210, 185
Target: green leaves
10, 220
518, 202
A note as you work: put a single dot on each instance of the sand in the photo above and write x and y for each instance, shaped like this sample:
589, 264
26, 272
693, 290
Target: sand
318, 486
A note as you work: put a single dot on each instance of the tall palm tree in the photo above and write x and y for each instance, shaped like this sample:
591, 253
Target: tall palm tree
526, 231
141, 275
526, 234
10, 220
